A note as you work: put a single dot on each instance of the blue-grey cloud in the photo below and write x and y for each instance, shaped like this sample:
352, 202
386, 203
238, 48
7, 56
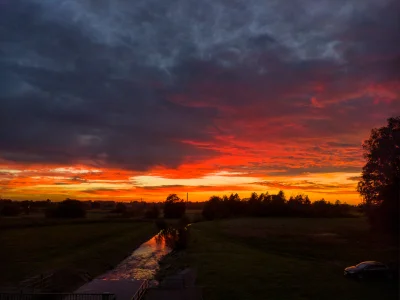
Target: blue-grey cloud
91, 81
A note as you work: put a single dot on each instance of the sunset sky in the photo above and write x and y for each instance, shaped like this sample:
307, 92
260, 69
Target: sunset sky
123, 100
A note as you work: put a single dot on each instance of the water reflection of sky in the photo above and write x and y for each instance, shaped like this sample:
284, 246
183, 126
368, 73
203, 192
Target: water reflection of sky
142, 263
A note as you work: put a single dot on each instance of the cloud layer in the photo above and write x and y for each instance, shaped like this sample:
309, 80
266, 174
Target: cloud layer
187, 88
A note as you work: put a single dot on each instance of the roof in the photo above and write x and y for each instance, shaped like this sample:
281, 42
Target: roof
371, 262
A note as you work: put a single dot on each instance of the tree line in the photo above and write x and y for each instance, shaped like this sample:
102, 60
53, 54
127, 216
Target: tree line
273, 205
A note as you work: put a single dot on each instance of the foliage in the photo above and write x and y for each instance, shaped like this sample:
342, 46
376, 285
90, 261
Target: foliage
67, 209
266, 205
380, 182
174, 207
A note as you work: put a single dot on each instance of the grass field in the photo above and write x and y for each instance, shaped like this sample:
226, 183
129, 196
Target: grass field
284, 259
39, 219
90, 247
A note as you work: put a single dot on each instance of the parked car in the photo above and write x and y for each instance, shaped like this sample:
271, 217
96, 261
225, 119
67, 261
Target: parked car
368, 269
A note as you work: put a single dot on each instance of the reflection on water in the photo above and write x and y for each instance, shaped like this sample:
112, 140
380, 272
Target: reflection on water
143, 262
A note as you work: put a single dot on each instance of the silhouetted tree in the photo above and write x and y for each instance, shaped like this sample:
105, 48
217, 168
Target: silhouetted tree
299, 205
67, 209
234, 204
174, 207
321, 208
380, 182
277, 204
265, 205
214, 208
255, 205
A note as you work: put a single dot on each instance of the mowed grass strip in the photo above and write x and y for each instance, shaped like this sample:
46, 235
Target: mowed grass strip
93, 248
234, 259
336, 240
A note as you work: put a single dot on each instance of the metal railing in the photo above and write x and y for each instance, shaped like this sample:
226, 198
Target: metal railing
55, 296
141, 291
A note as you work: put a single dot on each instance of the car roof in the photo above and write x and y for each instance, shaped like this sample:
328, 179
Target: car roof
371, 262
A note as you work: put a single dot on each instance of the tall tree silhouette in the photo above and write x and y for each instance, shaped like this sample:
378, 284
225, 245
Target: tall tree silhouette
380, 182
174, 207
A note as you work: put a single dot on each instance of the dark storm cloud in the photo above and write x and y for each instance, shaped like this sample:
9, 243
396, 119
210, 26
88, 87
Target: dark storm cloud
92, 82
65, 99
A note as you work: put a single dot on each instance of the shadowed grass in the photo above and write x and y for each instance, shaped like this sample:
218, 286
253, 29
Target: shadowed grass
284, 259
91, 247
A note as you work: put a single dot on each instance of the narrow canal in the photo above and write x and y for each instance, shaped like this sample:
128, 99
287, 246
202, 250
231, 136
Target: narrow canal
142, 263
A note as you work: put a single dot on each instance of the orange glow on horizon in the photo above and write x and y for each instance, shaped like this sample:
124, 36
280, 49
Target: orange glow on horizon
86, 183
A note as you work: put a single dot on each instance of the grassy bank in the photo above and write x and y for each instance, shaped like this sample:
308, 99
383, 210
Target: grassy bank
284, 259
89, 247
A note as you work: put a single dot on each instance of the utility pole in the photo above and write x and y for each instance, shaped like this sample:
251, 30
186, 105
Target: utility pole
187, 197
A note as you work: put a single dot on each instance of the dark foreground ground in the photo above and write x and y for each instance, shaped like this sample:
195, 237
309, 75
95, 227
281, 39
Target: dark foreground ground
284, 259
67, 248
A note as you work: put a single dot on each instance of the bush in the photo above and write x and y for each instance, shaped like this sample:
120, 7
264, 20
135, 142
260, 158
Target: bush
67, 209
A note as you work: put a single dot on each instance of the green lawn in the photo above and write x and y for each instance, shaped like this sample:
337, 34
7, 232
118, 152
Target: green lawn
285, 259
90, 247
